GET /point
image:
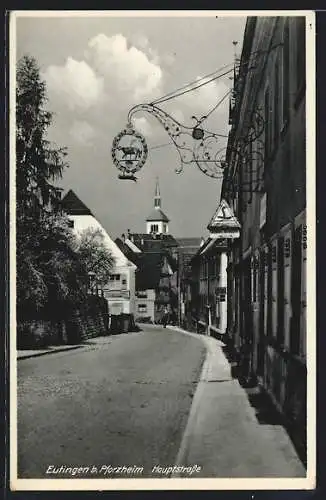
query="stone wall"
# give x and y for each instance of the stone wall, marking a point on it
(70, 325)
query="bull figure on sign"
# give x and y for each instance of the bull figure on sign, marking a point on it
(130, 152)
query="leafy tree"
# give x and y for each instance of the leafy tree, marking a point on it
(95, 256)
(48, 267)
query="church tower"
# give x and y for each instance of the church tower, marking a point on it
(157, 222)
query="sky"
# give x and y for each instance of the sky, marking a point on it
(96, 68)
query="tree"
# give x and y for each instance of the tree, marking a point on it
(95, 256)
(48, 267)
(38, 163)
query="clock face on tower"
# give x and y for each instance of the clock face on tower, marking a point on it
(129, 150)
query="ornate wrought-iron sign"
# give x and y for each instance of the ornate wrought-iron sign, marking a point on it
(129, 152)
(195, 144)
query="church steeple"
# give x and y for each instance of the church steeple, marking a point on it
(157, 222)
(157, 197)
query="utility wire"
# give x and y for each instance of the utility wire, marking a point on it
(194, 88)
(237, 63)
(191, 83)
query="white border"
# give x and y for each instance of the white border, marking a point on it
(175, 484)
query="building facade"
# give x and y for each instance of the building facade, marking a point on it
(120, 290)
(264, 183)
(153, 253)
(187, 248)
(209, 270)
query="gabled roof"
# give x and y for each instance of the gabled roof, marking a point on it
(149, 242)
(190, 242)
(73, 205)
(150, 269)
(211, 244)
(223, 219)
(157, 215)
(126, 250)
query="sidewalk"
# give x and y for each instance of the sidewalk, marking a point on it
(223, 434)
(32, 353)
(104, 339)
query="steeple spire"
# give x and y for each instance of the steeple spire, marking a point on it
(157, 197)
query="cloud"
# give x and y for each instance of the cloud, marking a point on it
(140, 41)
(75, 82)
(203, 99)
(143, 126)
(82, 133)
(124, 67)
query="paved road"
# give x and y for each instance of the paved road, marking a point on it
(124, 400)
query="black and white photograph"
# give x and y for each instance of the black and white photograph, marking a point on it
(162, 207)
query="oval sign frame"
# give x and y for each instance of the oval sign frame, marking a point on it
(136, 163)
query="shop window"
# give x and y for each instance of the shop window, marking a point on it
(296, 291)
(299, 298)
(282, 248)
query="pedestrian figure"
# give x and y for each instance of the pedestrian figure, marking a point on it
(165, 318)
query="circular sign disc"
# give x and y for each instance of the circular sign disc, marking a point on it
(129, 150)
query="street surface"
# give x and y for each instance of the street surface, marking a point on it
(121, 401)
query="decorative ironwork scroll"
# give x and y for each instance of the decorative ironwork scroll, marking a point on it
(193, 143)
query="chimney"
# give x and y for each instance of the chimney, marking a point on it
(128, 231)
(123, 237)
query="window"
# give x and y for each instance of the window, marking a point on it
(300, 53)
(114, 281)
(142, 295)
(250, 172)
(142, 308)
(154, 228)
(286, 71)
(276, 104)
(280, 294)
(267, 124)
(124, 281)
